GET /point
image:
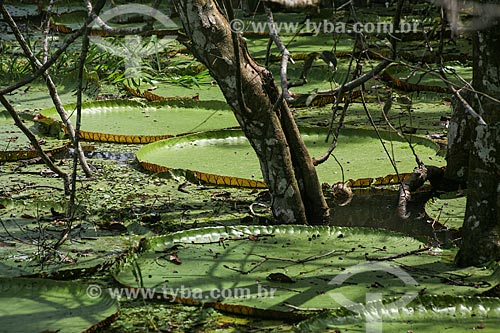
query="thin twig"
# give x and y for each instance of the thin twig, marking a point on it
(397, 256)
(223, 239)
(339, 92)
(355, 83)
(12, 236)
(401, 135)
(370, 118)
(268, 52)
(69, 40)
(35, 63)
(467, 106)
(257, 204)
(396, 22)
(333, 145)
(304, 260)
(250, 270)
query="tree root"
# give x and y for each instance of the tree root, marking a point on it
(420, 174)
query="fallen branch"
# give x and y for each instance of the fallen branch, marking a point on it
(304, 260)
(397, 256)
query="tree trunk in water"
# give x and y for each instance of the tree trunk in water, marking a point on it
(481, 229)
(268, 124)
(460, 130)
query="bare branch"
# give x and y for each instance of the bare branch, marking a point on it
(35, 63)
(455, 92)
(39, 72)
(46, 28)
(324, 158)
(285, 54)
(359, 80)
(467, 107)
(368, 114)
(96, 19)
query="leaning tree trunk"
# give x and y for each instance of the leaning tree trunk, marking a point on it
(481, 229)
(267, 122)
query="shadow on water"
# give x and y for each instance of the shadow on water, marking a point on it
(378, 209)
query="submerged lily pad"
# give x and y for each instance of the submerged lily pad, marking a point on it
(228, 153)
(41, 305)
(274, 271)
(126, 121)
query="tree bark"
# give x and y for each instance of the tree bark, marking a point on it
(265, 119)
(459, 140)
(481, 229)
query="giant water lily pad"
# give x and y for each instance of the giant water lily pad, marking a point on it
(447, 209)
(228, 153)
(423, 314)
(39, 305)
(126, 121)
(275, 270)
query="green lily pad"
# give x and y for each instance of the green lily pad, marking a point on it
(275, 270)
(423, 314)
(126, 121)
(40, 305)
(448, 209)
(228, 153)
